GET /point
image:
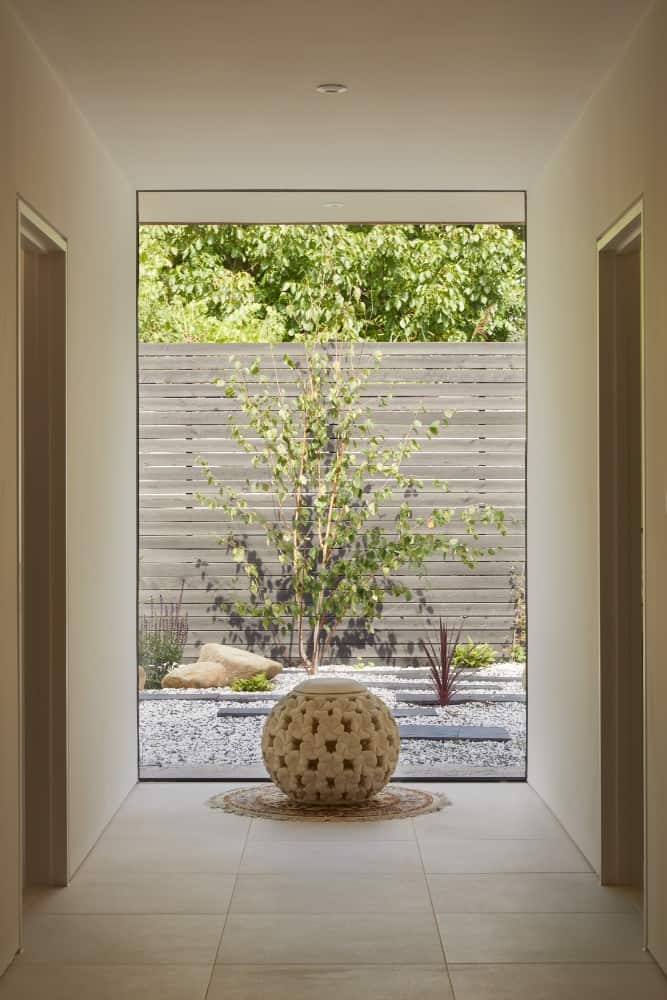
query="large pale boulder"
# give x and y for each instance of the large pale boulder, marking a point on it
(202, 674)
(238, 662)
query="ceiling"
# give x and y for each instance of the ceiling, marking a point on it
(332, 206)
(467, 94)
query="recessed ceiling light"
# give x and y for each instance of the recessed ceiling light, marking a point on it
(331, 88)
(332, 204)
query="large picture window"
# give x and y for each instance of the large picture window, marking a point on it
(332, 480)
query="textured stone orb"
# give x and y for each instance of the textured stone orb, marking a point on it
(330, 740)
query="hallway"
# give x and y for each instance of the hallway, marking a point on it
(487, 900)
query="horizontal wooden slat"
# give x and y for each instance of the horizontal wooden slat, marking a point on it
(456, 498)
(409, 638)
(156, 580)
(206, 424)
(155, 525)
(179, 563)
(388, 349)
(460, 449)
(480, 453)
(461, 602)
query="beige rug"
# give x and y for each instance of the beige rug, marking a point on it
(268, 802)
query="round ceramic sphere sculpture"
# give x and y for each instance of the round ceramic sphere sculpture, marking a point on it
(330, 741)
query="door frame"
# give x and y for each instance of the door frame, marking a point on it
(39, 237)
(629, 226)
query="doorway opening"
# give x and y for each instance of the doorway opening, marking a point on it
(621, 449)
(42, 295)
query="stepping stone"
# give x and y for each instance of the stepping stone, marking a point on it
(468, 681)
(401, 685)
(477, 733)
(424, 685)
(426, 698)
(184, 695)
(239, 712)
(493, 696)
(480, 733)
(250, 696)
(419, 698)
(210, 695)
(411, 713)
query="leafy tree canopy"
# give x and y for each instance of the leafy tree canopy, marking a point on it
(273, 283)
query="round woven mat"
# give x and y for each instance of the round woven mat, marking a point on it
(268, 802)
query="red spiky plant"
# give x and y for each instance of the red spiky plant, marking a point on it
(444, 676)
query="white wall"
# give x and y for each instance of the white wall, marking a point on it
(51, 158)
(616, 152)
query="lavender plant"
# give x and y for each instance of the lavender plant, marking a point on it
(163, 632)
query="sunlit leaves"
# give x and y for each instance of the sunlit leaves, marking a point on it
(319, 282)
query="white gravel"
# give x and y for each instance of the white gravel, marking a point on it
(174, 731)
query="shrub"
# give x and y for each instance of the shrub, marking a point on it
(163, 632)
(154, 677)
(157, 649)
(517, 650)
(260, 682)
(361, 664)
(444, 673)
(517, 653)
(471, 655)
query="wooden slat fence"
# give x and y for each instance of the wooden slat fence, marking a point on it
(481, 454)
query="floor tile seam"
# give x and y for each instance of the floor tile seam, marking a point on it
(304, 914)
(357, 875)
(501, 872)
(215, 958)
(216, 954)
(21, 963)
(435, 916)
(131, 913)
(535, 913)
(525, 963)
(317, 841)
(559, 822)
(204, 964)
(154, 871)
(435, 966)
(127, 881)
(321, 842)
(433, 834)
(331, 963)
(324, 872)
(533, 874)
(342, 913)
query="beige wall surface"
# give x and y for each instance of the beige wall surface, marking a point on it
(50, 157)
(616, 153)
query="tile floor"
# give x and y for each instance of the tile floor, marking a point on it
(487, 900)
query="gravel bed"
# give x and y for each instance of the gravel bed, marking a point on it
(177, 732)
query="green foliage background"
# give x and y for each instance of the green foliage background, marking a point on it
(272, 283)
